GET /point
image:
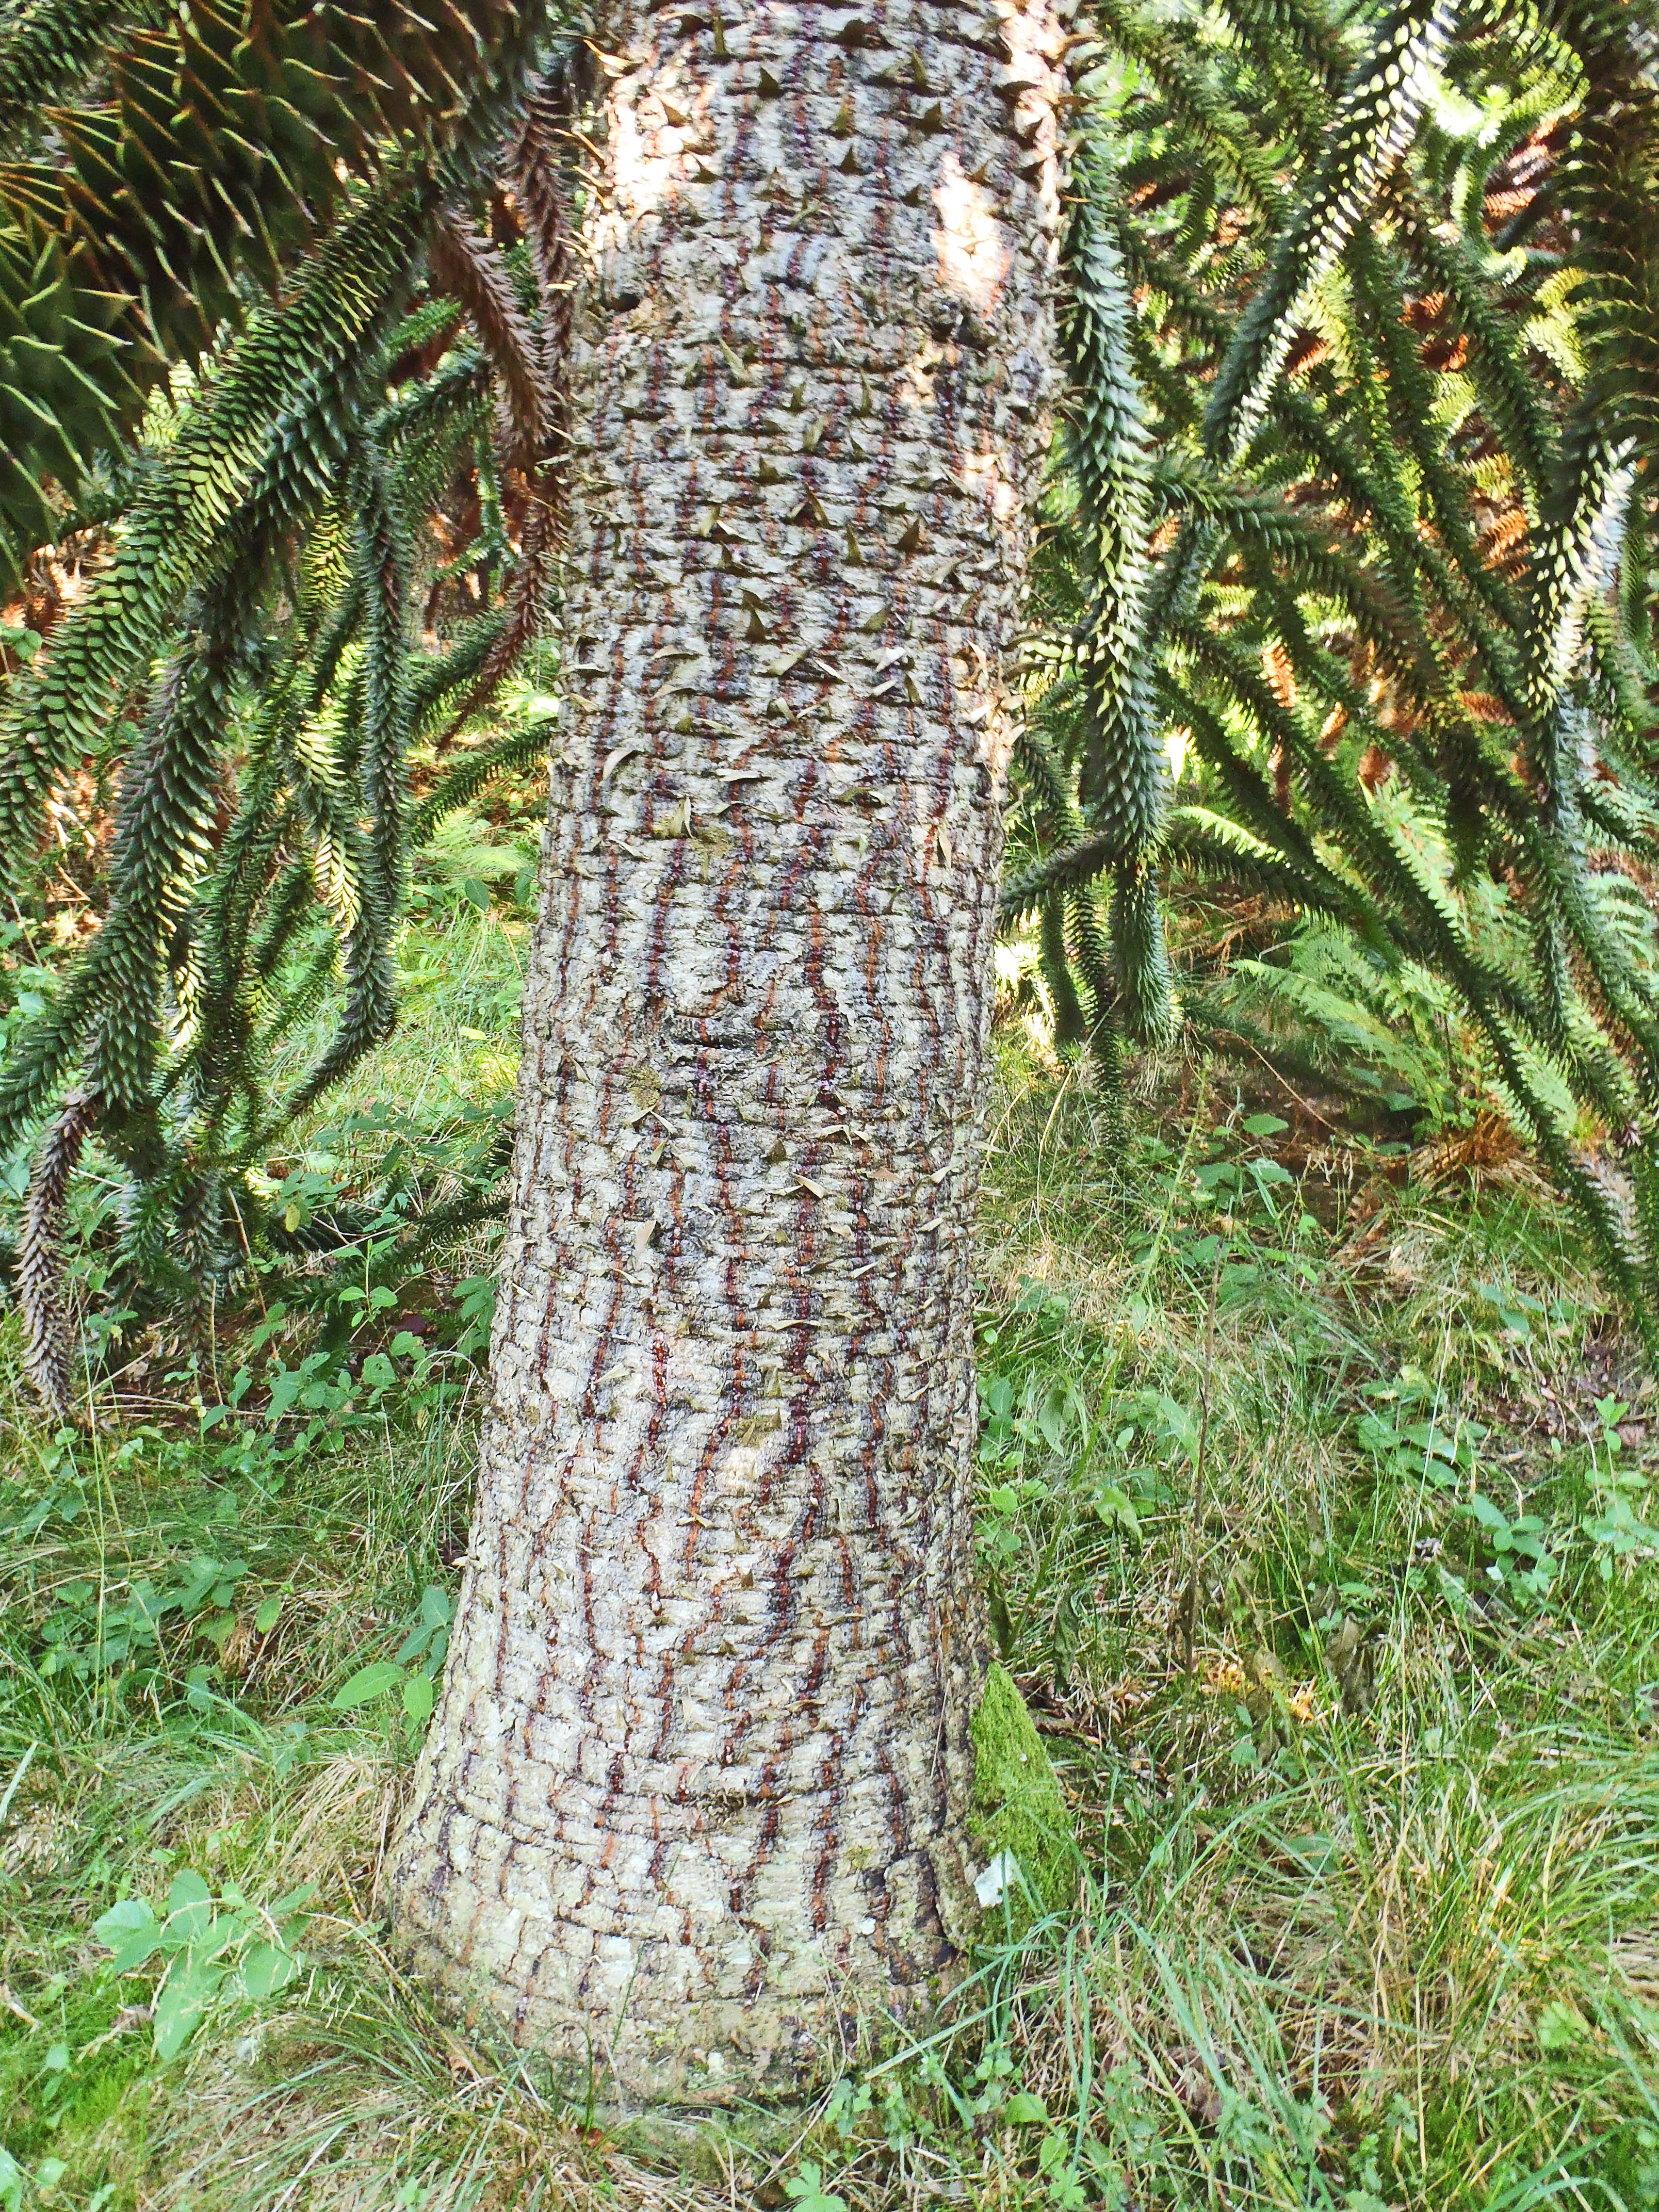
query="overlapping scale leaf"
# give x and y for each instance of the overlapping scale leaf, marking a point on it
(70, 371)
(48, 49)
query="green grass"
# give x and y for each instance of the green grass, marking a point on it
(1312, 1530)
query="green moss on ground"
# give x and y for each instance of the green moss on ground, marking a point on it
(1019, 1804)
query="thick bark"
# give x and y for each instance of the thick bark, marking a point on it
(697, 1786)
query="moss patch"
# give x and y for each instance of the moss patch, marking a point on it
(1018, 1804)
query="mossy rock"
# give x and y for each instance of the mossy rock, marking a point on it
(1019, 1804)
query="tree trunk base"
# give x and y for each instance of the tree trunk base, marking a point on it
(664, 2078)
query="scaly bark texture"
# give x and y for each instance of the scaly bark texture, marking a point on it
(696, 1790)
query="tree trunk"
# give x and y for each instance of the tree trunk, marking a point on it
(696, 1790)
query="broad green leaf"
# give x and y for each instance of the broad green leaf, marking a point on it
(807, 2190)
(371, 1681)
(998, 1393)
(413, 1644)
(1116, 1509)
(1023, 2109)
(185, 1995)
(141, 1944)
(1434, 1441)
(1270, 1172)
(1560, 2025)
(266, 1969)
(146, 1606)
(190, 1907)
(122, 1920)
(1060, 1411)
(1176, 1422)
(228, 1929)
(418, 1694)
(269, 1612)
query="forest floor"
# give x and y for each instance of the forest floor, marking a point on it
(1315, 1528)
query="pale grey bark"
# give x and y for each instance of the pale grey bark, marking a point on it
(696, 1788)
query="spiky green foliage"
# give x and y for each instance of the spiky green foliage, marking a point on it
(242, 665)
(157, 165)
(1102, 674)
(1373, 124)
(1357, 501)
(1351, 515)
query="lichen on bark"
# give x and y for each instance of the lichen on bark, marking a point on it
(697, 1793)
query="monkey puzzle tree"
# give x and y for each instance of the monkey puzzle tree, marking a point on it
(698, 1783)
(702, 1761)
